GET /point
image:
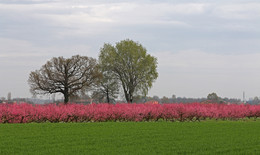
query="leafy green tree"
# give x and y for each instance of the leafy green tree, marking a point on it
(173, 99)
(67, 76)
(255, 100)
(214, 97)
(129, 62)
(165, 99)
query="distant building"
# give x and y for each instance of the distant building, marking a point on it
(152, 102)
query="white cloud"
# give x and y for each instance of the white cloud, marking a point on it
(244, 11)
(194, 73)
(24, 53)
(133, 12)
(33, 31)
(195, 59)
(12, 48)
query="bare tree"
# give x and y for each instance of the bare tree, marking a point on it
(108, 88)
(66, 76)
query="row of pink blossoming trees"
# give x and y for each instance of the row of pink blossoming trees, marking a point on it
(27, 113)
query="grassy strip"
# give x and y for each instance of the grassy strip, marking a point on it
(209, 137)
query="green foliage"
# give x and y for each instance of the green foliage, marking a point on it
(214, 97)
(129, 62)
(209, 137)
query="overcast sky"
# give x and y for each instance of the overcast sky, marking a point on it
(202, 46)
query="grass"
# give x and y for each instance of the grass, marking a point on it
(209, 137)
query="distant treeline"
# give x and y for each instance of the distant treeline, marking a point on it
(138, 99)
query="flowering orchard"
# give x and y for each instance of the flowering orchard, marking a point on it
(26, 113)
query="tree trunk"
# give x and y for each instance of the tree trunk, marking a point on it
(66, 99)
(131, 98)
(127, 96)
(108, 100)
(66, 96)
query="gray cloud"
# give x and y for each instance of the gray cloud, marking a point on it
(192, 40)
(196, 72)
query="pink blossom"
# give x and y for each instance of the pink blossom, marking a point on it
(26, 113)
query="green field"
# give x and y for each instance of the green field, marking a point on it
(209, 137)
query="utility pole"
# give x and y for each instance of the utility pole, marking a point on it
(244, 97)
(9, 96)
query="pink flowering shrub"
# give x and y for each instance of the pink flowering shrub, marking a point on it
(26, 113)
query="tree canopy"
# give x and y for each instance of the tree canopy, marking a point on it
(129, 62)
(67, 76)
(214, 97)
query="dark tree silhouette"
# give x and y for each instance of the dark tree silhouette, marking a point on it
(66, 76)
